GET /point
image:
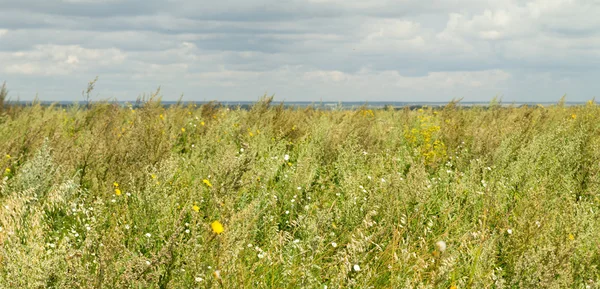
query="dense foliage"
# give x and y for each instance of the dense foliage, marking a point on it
(274, 197)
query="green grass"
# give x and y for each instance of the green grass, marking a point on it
(511, 191)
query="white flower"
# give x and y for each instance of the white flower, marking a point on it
(287, 212)
(441, 246)
(148, 263)
(382, 180)
(242, 150)
(333, 244)
(369, 177)
(356, 267)
(199, 279)
(509, 231)
(296, 241)
(299, 188)
(128, 194)
(148, 235)
(365, 153)
(286, 157)
(249, 245)
(127, 227)
(187, 231)
(260, 255)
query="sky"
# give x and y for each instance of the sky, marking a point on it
(310, 50)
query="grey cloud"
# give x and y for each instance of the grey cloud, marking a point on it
(238, 49)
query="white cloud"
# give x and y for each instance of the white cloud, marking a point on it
(52, 59)
(313, 49)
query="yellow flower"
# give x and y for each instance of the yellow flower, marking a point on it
(571, 237)
(116, 184)
(453, 287)
(117, 192)
(217, 227)
(250, 134)
(153, 176)
(161, 116)
(7, 170)
(182, 129)
(202, 123)
(7, 156)
(573, 116)
(196, 208)
(207, 182)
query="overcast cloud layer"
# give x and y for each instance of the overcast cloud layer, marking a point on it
(330, 50)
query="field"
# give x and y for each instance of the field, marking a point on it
(189, 196)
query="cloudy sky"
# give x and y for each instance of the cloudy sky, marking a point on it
(330, 50)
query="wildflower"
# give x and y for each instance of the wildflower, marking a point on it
(287, 212)
(260, 255)
(196, 208)
(571, 237)
(296, 241)
(187, 231)
(153, 176)
(116, 184)
(117, 192)
(441, 246)
(217, 274)
(573, 116)
(148, 235)
(286, 157)
(7, 170)
(161, 116)
(250, 133)
(127, 227)
(7, 156)
(333, 244)
(356, 267)
(199, 279)
(182, 129)
(509, 231)
(202, 123)
(207, 182)
(148, 263)
(217, 227)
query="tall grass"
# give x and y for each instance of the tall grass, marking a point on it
(124, 197)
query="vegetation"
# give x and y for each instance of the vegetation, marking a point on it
(274, 197)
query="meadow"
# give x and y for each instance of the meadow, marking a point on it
(110, 196)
